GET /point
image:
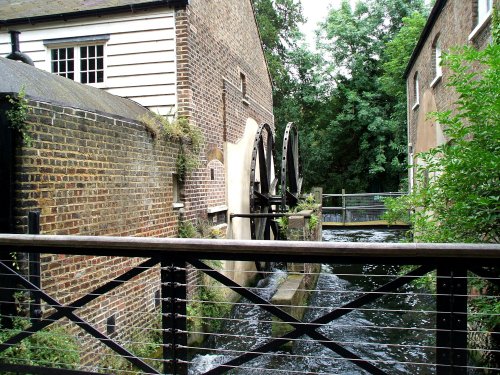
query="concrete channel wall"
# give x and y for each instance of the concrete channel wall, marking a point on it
(293, 294)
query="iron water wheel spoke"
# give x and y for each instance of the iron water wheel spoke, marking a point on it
(291, 179)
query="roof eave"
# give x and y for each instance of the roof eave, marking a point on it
(93, 12)
(433, 16)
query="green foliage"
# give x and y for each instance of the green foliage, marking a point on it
(202, 229)
(356, 129)
(53, 346)
(347, 99)
(456, 196)
(18, 116)
(397, 54)
(178, 129)
(145, 344)
(282, 225)
(206, 229)
(278, 22)
(210, 301)
(187, 229)
(397, 210)
(305, 204)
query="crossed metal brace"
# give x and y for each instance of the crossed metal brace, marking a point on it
(68, 312)
(306, 328)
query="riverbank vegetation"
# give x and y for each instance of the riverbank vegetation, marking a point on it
(456, 194)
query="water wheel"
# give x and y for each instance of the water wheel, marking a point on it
(265, 203)
(263, 183)
(291, 177)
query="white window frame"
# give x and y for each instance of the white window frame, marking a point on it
(484, 13)
(484, 8)
(76, 44)
(437, 54)
(416, 92)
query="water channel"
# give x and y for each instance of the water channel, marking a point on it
(374, 332)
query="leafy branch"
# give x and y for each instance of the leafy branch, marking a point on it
(18, 115)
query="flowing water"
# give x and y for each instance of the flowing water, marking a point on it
(397, 351)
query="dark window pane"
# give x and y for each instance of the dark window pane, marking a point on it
(83, 52)
(83, 65)
(70, 53)
(54, 54)
(100, 51)
(83, 77)
(92, 64)
(91, 77)
(63, 53)
(62, 66)
(54, 67)
(71, 76)
(100, 63)
(100, 76)
(91, 51)
(71, 65)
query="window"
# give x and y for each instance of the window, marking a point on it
(416, 93)
(243, 79)
(63, 62)
(176, 191)
(84, 64)
(80, 59)
(92, 64)
(483, 9)
(436, 63)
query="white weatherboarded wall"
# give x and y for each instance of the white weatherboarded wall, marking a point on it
(139, 55)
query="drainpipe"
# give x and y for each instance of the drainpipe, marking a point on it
(16, 53)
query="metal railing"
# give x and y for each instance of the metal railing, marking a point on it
(355, 209)
(121, 306)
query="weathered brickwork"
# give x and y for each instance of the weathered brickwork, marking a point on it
(218, 46)
(91, 174)
(95, 175)
(452, 28)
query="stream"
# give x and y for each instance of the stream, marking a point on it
(365, 331)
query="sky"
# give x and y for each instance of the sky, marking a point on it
(315, 11)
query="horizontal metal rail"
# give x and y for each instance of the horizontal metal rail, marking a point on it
(379, 207)
(405, 253)
(385, 194)
(271, 215)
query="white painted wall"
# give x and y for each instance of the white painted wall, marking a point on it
(238, 158)
(139, 56)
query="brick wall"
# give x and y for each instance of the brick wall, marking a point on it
(453, 27)
(94, 175)
(91, 174)
(217, 43)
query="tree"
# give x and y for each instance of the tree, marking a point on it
(365, 143)
(294, 69)
(351, 127)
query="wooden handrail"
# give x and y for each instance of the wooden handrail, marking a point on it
(246, 249)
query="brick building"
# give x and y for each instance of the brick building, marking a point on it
(452, 23)
(202, 60)
(93, 166)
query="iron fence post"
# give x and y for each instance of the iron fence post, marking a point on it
(174, 323)
(451, 322)
(344, 208)
(34, 266)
